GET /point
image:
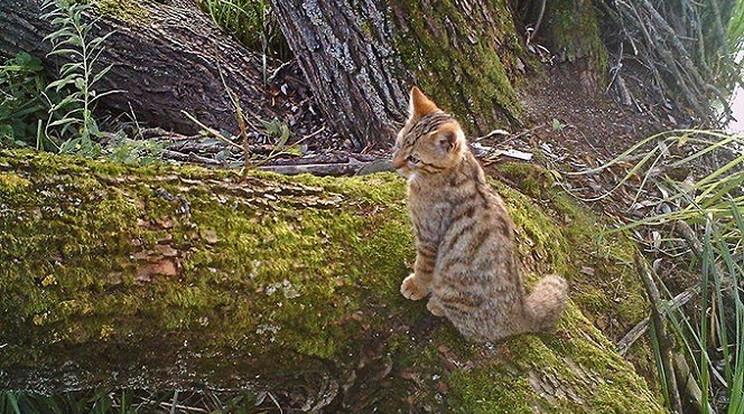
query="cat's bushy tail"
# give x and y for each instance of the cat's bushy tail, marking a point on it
(545, 303)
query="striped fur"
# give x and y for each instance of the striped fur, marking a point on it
(465, 260)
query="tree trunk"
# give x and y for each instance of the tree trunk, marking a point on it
(188, 278)
(573, 35)
(166, 56)
(361, 58)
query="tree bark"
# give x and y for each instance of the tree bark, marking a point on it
(572, 33)
(361, 58)
(166, 56)
(189, 278)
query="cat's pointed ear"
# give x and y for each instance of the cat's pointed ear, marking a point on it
(448, 137)
(420, 105)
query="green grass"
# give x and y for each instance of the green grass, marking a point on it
(251, 22)
(711, 334)
(23, 81)
(735, 29)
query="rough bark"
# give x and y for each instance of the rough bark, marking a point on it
(361, 58)
(572, 33)
(189, 278)
(166, 56)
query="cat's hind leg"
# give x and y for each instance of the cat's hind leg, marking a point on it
(434, 306)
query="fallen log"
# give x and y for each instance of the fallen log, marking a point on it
(187, 278)
(166, 57)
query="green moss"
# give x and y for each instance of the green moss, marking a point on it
(128, 10)
(288, 276)
(464, 62)
(10, 183)
(487, 390)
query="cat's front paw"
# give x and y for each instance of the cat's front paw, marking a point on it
(412, 289)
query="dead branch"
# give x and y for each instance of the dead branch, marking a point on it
(665, 345)
(676, 50)
(688, 234)
(352, 167)
(686, 381)
(640, 329)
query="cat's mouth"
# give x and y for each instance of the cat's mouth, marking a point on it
(404, 172)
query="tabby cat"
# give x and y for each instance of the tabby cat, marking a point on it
(466, 261)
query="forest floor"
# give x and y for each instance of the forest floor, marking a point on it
(587, 123)
(582, 128)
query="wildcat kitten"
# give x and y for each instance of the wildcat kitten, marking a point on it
(465, 255)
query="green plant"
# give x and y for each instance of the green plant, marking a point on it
(710, 336)
(557, 125)
(251, 22)
(735, 36)
(121, 148)
(275, 130)
(22, 83)
(713, 340)
(94, 401)
(75, 128)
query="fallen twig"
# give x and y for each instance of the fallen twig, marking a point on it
(190, 157)
(212, 132)
(353, 167)
(640, 329)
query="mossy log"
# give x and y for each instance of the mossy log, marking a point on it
(187, 278)
(360, 59)
(167, 57)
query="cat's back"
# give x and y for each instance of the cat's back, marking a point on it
(478, 241)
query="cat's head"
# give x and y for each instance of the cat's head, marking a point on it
(430, 142)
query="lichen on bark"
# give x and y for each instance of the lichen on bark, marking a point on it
(264, 282)
(465, 56)
(130, 11)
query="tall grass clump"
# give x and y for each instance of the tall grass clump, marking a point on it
(252, 24)
(23, 81)
(708, 198)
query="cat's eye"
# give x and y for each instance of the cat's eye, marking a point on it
(414, 159)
